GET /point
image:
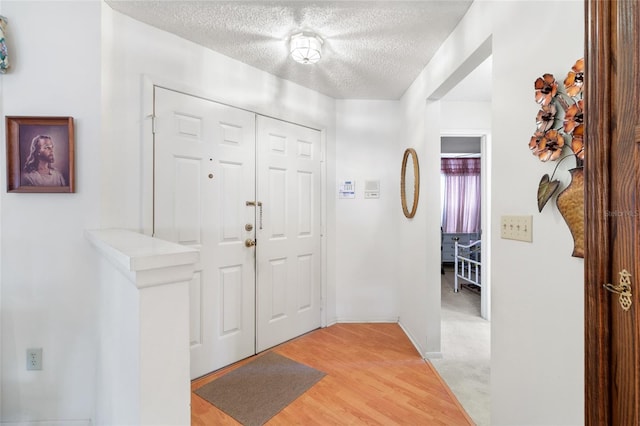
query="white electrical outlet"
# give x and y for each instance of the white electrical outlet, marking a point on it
(516, 228)
(34, 359)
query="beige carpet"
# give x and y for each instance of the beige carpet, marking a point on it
(466, 349)
(260, 389)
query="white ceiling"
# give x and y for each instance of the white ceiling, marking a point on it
(372, 49)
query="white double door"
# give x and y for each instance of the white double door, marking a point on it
(223, 179)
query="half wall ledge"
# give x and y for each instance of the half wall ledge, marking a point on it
(143, 359)
(145, 260)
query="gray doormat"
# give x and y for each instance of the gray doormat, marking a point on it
(260, 389)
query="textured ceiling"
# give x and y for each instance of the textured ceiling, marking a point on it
(372, 49)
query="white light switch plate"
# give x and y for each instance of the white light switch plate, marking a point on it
(516, 228)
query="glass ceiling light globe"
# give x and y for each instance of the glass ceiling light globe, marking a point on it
(306, 48)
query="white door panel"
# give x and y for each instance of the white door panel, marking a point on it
(243, 299)
(288, 251)
(204, 172)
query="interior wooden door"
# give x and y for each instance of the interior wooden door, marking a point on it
(612, 333)
(289, 242)
(204, 174)
(222, 179)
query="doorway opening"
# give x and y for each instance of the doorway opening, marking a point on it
(461, 218)
(465, 239)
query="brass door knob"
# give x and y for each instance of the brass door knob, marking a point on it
(249, 242)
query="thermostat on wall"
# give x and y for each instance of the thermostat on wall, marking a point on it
(347, 189)
(371, 189)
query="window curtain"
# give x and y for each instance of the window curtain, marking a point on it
(460, 195)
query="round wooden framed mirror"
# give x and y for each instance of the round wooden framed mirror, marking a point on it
(410, 183)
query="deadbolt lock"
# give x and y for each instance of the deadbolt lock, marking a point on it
(249, 242)
(248, 227)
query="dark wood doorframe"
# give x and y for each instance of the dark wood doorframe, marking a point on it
(612, 390)
(597, 267)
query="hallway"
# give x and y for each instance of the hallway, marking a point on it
(466, 349)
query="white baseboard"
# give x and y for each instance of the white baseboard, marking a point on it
(425, 355)
(367, 320)
(415, 343)
(49, 423)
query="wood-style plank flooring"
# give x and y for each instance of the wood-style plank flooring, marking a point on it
(374, 377)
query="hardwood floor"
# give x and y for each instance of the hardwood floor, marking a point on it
(374, 376)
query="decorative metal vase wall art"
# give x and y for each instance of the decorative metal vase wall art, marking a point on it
(559, 135)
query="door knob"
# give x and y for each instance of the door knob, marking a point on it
(623, 289)
(249, 242)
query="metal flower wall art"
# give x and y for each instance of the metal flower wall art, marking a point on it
(559, 135)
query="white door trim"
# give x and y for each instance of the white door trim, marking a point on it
(485, 213)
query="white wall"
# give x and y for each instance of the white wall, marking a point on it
(366, 240)
(48, 293)
(419, 252)
(457, 117)
(117, 371)
(537, 321)
(144, 313)
(537, 324)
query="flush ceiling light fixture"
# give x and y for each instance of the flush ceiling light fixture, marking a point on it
(306, 48)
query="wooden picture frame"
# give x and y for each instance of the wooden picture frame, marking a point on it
(40, 154)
